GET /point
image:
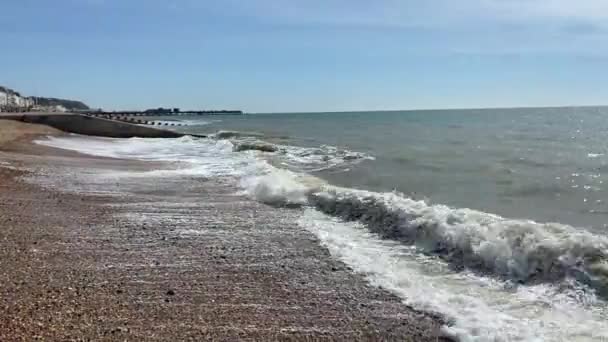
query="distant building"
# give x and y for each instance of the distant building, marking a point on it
(3, 100)
(11, 101)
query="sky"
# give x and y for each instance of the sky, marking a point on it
(307, 55)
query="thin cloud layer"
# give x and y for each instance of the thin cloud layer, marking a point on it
(424, 13)
(470, 26)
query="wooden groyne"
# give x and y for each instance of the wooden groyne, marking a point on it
(95, 126)
(136, 120)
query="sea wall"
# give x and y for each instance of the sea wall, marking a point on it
(86, 125)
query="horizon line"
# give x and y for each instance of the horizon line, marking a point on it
(430, 109)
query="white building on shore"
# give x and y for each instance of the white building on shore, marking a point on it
(12, 101)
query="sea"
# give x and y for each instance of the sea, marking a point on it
(496, 219)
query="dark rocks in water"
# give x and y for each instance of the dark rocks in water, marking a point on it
(235, 134)
(255, 147)
(170, 293)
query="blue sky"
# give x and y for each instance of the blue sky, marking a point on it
(308, 55)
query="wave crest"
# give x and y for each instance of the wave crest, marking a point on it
(280, 187)
(519, 250)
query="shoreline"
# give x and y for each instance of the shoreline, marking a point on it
(210, 265)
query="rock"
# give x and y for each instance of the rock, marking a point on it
(170, 293)
(255, 146)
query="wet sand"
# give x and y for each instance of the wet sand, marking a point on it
(169, 261)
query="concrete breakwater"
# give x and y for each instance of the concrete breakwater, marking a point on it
(137, 121)
(95, 126)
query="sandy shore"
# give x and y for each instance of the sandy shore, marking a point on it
(169, 261)
(14, 131)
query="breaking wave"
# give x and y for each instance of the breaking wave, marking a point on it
(517, 250)
(280, 187)
(522, 251)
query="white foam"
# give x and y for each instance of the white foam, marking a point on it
(187, 156)
(279, 187)
(481, 308)
(312, 159)
(307, 159)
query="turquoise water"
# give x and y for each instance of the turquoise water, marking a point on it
(548, 164)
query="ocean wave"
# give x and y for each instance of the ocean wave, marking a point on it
(521, 251)
(280, 187)
(518, 250)
(475, 308)
(324, 157)
(306, 159)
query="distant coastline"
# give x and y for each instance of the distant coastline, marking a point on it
(14, 102)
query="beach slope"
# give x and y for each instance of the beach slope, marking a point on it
(212, 265)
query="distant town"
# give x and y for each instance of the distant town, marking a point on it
(13, 102)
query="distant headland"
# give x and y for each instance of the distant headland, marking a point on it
(13, 102)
